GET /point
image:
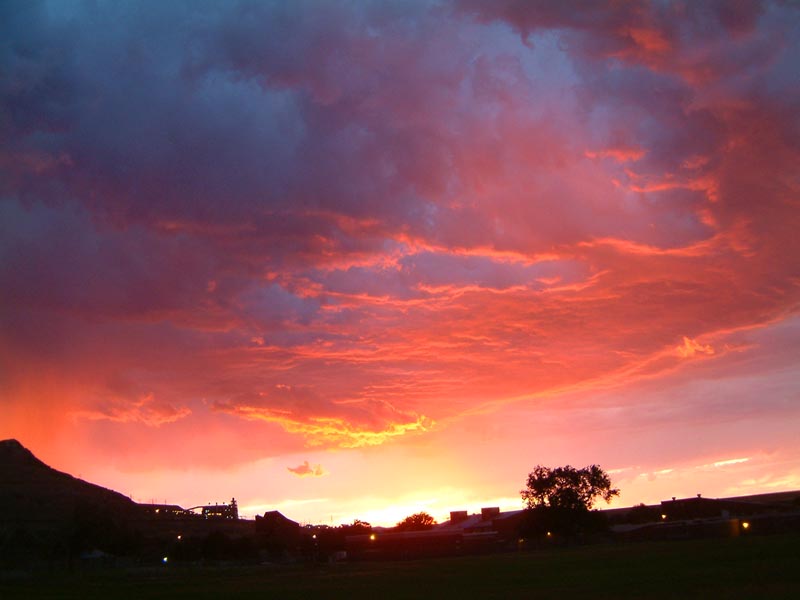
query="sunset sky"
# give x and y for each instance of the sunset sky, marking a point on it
(360, 259)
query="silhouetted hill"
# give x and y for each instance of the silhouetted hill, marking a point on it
(46, 512)
(32, 491)
(49, 515)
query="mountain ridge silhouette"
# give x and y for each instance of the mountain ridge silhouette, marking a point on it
(32, 492)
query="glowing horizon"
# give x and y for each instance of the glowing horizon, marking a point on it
(370, 259)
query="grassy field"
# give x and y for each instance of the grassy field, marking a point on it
(745, 567)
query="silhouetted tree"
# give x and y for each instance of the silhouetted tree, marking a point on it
(416, 522)
(567, 487)
(565, 524)
(559, 500)
(358, 527)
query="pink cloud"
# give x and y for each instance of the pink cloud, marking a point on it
(307, 470)
(145, 410)
(361, 225)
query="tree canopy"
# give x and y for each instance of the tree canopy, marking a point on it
(416, 522)
(358, 527)
(567, 487)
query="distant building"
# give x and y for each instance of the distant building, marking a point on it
(679, 518)
(488, 531)
(274, 524)
(228, 512)
(281, 538)
(696, 517)
(163, 511)
(704, 508)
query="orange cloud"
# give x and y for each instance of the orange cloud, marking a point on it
(691, 348)
(307, 470)
(337, 432)
(147, 410)
(356, 426)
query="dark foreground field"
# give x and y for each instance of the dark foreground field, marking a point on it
(745, 567)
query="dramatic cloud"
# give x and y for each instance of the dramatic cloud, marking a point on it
(346, 423)
(362, 225)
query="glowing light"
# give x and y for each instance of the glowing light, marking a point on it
(663, 517)
(165, 560)
(372, 537)
(745, 525)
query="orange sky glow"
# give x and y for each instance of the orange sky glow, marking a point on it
(360, 260)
